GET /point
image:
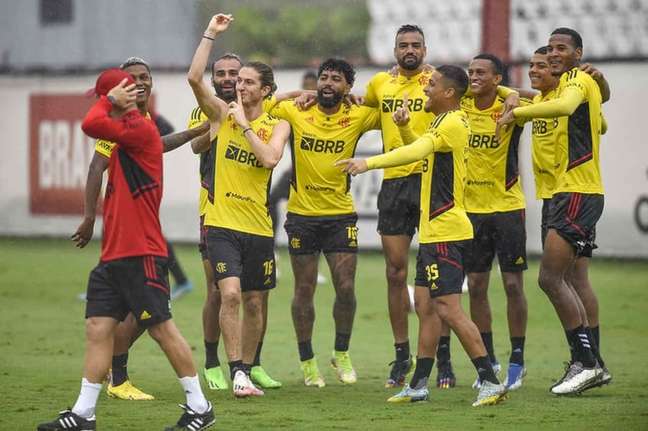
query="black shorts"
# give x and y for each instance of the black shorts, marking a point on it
(501, 233)
(328, 234)
(133, 284)
(439, 267)
(574, 217)
(399, 205)
(244, 255)
(544, 220)
(202, 244)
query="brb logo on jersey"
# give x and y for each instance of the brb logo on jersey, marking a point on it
(321, 145)
(483, 141)
(240, 155)
(413, 105)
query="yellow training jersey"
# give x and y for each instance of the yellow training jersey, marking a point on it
(206, 163)
(577, 153)
(545, 135)
(196, 118)
(318, 141)
(386, 93)
(442, 149)
(493, 178)
(241, 183)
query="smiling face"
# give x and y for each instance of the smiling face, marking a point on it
(436, 92)
(332, 86)
(540, 73)
(562, 53)
(143, 82)
(410, 50)
(482, 76)
(224, 77)
(249, 85)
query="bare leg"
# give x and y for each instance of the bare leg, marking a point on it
(100, 333)
(429, 323)
(449, 309)
(175, 348)
(303, 310)
(252, 324)
(343, 268)
(480, 310)
(211, 308)
(230, 290)
(579, 279)
(395, 249)
(516, 303)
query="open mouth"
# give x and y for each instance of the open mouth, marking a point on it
(328, 92)
(141, 91)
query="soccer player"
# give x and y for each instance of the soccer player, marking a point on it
(321, 216)
(444, 229)
(225, 71)
(398, 200)
(239, 234)
(577, 201)
(132, 273)
(127, 331)
(496, 207)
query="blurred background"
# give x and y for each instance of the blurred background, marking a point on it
(51, 50)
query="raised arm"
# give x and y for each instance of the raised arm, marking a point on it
(401, 118)
(175, 140)
(131, 130)
(211, 105)
(597, 75)
(84, 232)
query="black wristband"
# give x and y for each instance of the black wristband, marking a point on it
(246, 129)
(111, 99)
(207, 37)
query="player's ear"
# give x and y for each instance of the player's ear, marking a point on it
(265, 90)
(498, 79)
(579, 53)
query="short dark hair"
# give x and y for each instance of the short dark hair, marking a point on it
(457, 78)
(410, 28)
(498, 66)
(266, 75)
(226, 56)
(338, 65)
(309, 74)
(576, 37)
(134, 61)
(542, 50)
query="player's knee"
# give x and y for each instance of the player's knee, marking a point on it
(513, 289)
(230, 299)
(253, 305)
(97, 329)
(396, 275)
(548, 281)
(345, 293)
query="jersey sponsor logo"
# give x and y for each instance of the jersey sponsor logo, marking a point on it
(232, 195)
(391, 105)
(483, 141)
(540, 127)
(321, 145)
(485, 183)
(221, 267)
(325, 189)
(242, 156)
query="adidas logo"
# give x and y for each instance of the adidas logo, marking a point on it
(145, 315)
(434, 286)
(519, 261)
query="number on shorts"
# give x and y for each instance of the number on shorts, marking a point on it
(432, 272)
(267, 267)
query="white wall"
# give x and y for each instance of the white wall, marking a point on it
(624, 159)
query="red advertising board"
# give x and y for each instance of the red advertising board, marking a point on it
(59, 153)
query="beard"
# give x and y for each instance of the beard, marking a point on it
(228, 95)
(410, 62)
(328, 101)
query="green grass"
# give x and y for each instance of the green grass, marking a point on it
(42, 342)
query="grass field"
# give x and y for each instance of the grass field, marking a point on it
(41, 355)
